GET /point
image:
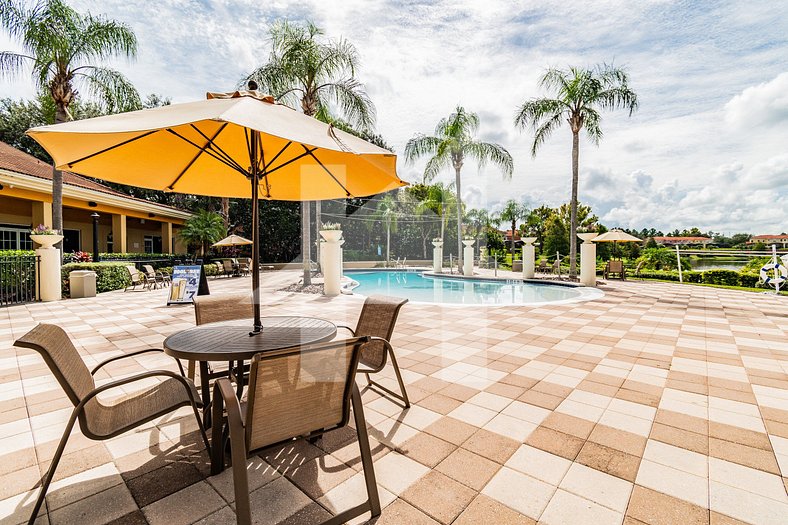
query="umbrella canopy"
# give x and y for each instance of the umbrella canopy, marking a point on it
(204, 148)
(239, 144)
(616, 236)
(232, 240)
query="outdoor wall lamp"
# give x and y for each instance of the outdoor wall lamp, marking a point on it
(92, 204)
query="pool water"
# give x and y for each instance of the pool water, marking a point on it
(424, 288)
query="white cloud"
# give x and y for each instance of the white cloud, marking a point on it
(766, 103)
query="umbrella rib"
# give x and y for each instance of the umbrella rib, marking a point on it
(213, 146)
(301, 156)
(262, 160)
(326, 170)
(191, 163)
(234, 165)
(71, 164)
(265, 167)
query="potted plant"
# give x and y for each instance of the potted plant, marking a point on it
(45, 236)
(331, 231)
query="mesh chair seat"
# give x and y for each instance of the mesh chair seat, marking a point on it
(105, 418)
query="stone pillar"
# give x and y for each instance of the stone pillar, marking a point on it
(42, 213)
(529, 257)
(588, 259)
(119, 244)
(437, 256)
(48, 277)
(467, 256)
(331, 254)
(166, 237)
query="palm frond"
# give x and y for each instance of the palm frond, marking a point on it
(13, 18)
(434, 166)
(537, 110)
(420, 146)
(110, 88)
(591, 123)
(352, 100)
(102, 38)
(544, 131)
(12, 64)
(484, 152)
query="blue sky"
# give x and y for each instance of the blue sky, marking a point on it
(708, 147)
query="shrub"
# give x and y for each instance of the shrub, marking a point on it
(109, 276)
(16, 253)
(750, 279)
(661, 259)
(724, 277)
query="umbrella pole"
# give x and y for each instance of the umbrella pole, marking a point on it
(258, 325)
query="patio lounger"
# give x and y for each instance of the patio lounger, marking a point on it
(377, 319)
(139, 278)
(158, 277)
(293, 393)
(98, 419)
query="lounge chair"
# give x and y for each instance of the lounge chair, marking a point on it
(229, 267)
(377, 319)
(162, 278)
(297, 392)
(615, 267)
(98, 419)
(139, 278)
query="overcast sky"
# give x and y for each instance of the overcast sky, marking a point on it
(708, 147)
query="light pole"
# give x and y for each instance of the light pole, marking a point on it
(95, 217)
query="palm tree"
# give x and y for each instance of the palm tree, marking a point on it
(480, 221)
(387, 212)
(64, 47)
(203, 229)
(512, 212)
(440, 199)
(315, 73)
(452, 143)
(579, 94)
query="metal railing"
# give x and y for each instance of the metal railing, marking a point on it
(18, 283)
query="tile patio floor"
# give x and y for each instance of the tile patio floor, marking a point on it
(658, 403)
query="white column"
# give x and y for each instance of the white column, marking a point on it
(49, 280)
(437, 256)
(588, 259)
(529, 256)
(467, 255)
(332, 265)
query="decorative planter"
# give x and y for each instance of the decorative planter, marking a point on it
(588, 259)
(529, 258)
(468, 242)
(588, 236)
(331, 235)
(46, 241)
(437, 256)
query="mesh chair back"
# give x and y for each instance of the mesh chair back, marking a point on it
(62, 357)
(215, 308)
(133, 273)
(377, 319)
(149, 270)
(615, 266)
(228, 265)
(300, 390)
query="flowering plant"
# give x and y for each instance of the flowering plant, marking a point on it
(81, 257)
(437, 239)
(43, 230)
(331, 226)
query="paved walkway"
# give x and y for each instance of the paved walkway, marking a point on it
(658, 403)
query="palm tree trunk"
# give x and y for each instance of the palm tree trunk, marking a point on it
(61, 115)
(459, 218)
(306, 248)
(514, 224)
(318, 227)
(573, 206)
(388, 242)
(226, 212)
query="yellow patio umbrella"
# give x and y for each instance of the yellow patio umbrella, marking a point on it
(239, 144)
(232, 240)
(615, 236)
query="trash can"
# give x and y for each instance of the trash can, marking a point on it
(517, 266)
(82, 283)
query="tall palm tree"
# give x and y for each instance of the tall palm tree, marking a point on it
(481, 220)
(387, 212)
(318, 74)
(440, 199)
(579, 95)
(512, 212)
(452, 143)
(203, 229)
(63, 48)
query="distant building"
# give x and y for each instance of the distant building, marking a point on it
(507, 237)
(770, 239)
(126, 224)
(683, 241)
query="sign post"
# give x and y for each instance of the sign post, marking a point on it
(185, 283)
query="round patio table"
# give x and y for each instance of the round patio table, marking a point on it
(230, 341)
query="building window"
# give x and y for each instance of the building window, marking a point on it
(14, 237)
(148, 244)
(110, 243)
(152, 244)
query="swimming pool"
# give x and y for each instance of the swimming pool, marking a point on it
(428, 289)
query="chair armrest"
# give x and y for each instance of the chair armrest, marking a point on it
(353, 332)
(384, 341)
(144, 375)
(224, 398)
(132, 354)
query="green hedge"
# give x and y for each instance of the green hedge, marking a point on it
(720, 277)
(109, 275)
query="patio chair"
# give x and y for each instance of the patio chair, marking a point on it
(219, 269)
(99, 419)
(229, 267)
(543, 267)
(377, 319)
(216, 308)
(139, 278)
(615, 267)
(293, 393)
(555, 269)
(245, 266)
(159, 277)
